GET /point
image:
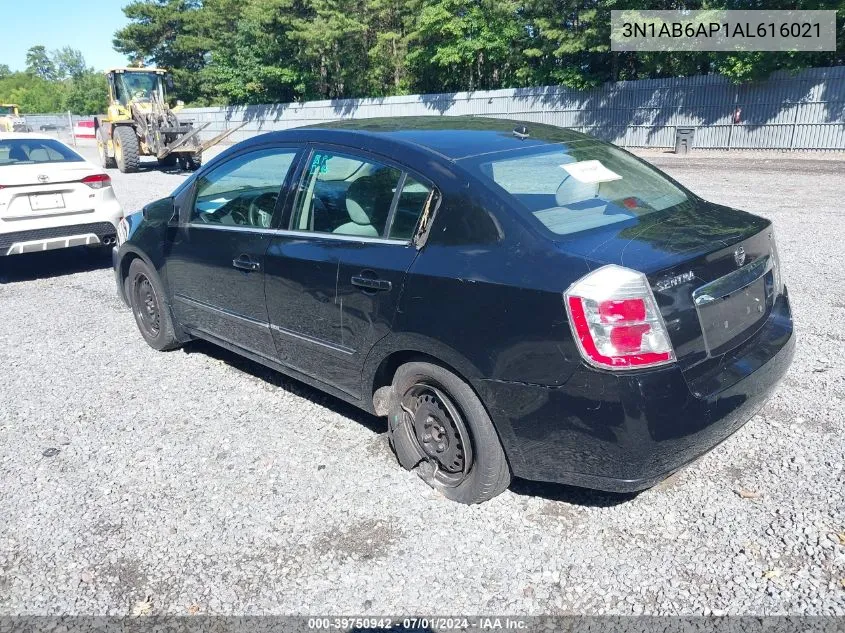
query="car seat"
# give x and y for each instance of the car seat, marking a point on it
(17, 154)
(367, 204)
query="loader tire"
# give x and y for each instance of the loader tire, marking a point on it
(126, 150)
(106, 161)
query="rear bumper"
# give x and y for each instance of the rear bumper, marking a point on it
(624, 432)
(45, 239)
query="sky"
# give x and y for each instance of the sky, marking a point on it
(87, 25)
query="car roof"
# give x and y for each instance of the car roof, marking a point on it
(452, 137)
(11, 136)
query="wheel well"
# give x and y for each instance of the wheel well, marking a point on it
(387, 368)
(384, 374)
(125, 263)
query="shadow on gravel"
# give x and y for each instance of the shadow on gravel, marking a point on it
(152, 165)
(570, 494)
(549, 491)
(277, 379)
(65, 261)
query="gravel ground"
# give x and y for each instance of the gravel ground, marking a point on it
(198, 482)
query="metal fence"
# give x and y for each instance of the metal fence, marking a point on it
(805, 111)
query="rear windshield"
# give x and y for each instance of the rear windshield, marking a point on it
(579, 186)
(23, 151)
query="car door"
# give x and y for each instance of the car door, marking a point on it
(334, 276)
(216, 264)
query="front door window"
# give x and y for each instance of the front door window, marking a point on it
(243, 191)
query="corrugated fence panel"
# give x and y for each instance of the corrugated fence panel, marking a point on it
(801, 111)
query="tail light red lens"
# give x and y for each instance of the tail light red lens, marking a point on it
(615, 320)
(97, 181)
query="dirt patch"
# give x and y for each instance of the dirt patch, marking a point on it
(363, 540)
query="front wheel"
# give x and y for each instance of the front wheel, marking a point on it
(126, 149)
(146, 297)
(439, 427)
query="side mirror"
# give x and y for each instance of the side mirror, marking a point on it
(174, 218)
(162, 211)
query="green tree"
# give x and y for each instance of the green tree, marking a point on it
(32, 93)
(465, 45)
(87, 93)
(166, 33)
(5, 71)
(332, 40)
(256, 61)
(69, 62)
(390, 26)
(38, 63)
(265, 51)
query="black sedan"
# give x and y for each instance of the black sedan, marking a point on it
(518, 299)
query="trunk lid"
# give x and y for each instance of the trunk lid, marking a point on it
(712, 269)
(30, 191)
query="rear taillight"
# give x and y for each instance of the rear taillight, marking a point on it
(615, 320)
(97, 181)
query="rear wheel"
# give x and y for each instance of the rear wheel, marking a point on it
(439, 427)
(146, 297)
(190, 162)
(106, 161)
(168, 161)
(126, 150)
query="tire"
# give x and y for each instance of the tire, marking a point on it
(106, 161)
(152, 316)
(126, 149)
(430, 409)
(194, 161)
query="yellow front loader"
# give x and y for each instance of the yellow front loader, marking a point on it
(11, 119)
(139, 122)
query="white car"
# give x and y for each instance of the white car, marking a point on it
(51, 197)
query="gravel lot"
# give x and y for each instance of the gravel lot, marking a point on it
(198, 482)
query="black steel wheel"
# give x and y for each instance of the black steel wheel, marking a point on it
(438, 426)
(152, 315)
(440, 431)
(147, 309)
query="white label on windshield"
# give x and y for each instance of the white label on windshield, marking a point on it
(590, 172)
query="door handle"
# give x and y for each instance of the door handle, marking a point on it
(245, 262)
(371, 284)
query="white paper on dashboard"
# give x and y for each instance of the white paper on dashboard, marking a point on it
(590, 172)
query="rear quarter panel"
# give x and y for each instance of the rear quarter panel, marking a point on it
(485, 296)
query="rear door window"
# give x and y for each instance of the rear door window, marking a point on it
(413, 200)
(345, 195)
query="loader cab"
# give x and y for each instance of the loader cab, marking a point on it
(137, 85)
